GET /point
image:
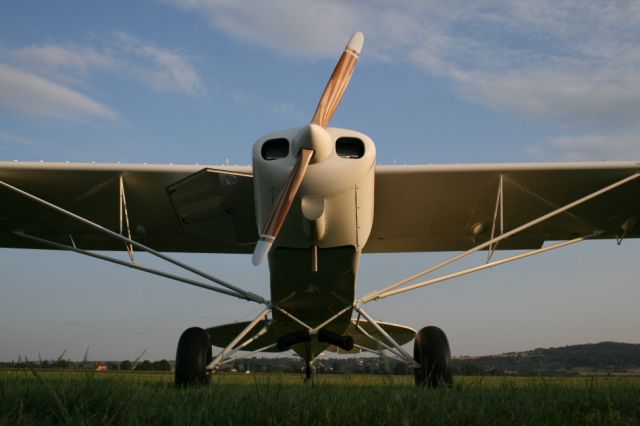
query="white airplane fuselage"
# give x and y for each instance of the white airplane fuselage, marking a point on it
(333, 211)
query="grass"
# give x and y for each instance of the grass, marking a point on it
(63, 397)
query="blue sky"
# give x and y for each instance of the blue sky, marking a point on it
(198, 81)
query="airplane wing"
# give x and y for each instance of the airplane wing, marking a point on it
(438, 207)
(210, 210)
(168, 207)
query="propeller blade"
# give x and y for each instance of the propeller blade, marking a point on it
(281, 207)
(338, 82)
(327, 106)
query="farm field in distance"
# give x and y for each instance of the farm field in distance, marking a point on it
(75, 397)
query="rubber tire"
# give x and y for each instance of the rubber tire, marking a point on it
(431, 351)
(192, 357)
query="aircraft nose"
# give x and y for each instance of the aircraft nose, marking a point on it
(317, 139)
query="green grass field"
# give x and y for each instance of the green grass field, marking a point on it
(64, 397)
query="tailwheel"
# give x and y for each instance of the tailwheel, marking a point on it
(192, 357)
(431, 351)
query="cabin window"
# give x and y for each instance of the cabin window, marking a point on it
(275, 148)
(349, 147)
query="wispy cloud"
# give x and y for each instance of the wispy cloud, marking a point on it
(570, 62)
(300, 28)
(42, 80)
(12, 139)
(573, 60)
(161, 69)
(26, 93)
(283, 109)
(76, 58)
(158, 68)
(590, 147)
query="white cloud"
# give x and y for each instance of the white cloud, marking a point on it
(158, 68)
(596, 147)
(72, 57)
(300, 28)
(25, 93)
(12, 139)
(161, 69)
(575, 61)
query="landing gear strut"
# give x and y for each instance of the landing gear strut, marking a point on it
(307, 372)
(192, 357)
(431, 351)
(307, 363)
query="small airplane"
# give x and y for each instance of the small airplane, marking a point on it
(312, 203)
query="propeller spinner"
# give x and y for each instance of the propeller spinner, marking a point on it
(313, 144)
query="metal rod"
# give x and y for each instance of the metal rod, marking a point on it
(256, 336)
(485, 266)
(134, 266)
(123, 207)
(331, 319)
(237, 339)
(248, 354)
(378, 352)
(374, 295)
(107, 231)
(247, 342)
(314, 257)
(408, 358)
(501, 205)
(120, 207)
(292, 317)
(497, 208)
(378, 341)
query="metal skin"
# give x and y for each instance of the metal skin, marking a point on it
(333, 210)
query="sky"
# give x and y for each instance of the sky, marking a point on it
(198, 81)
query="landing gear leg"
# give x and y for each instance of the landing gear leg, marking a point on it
(307, 372)
(307, 363)
(431, 351)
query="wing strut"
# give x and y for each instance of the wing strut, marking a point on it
(376, 294)
(407, 358)
(228, 289)
(499, 208)
(231, 347)
(234, 290)
(124, 218)
(402, 287)
(486, 266)
(131, 265)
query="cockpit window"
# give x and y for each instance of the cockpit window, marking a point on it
(348, 147)
(275, 148)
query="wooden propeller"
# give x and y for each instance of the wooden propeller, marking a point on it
(327, 106)
(338, 82)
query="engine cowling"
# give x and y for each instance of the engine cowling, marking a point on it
(334, 205)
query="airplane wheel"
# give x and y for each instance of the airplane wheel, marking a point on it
(431, 351)
(192, 357)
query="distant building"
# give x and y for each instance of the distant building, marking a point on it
(102, 367)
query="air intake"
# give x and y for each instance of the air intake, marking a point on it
(275, 148)
(348, 147)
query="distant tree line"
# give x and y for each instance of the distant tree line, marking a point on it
(146, 365)
(599, 358)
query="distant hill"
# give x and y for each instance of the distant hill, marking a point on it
(593, 358)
